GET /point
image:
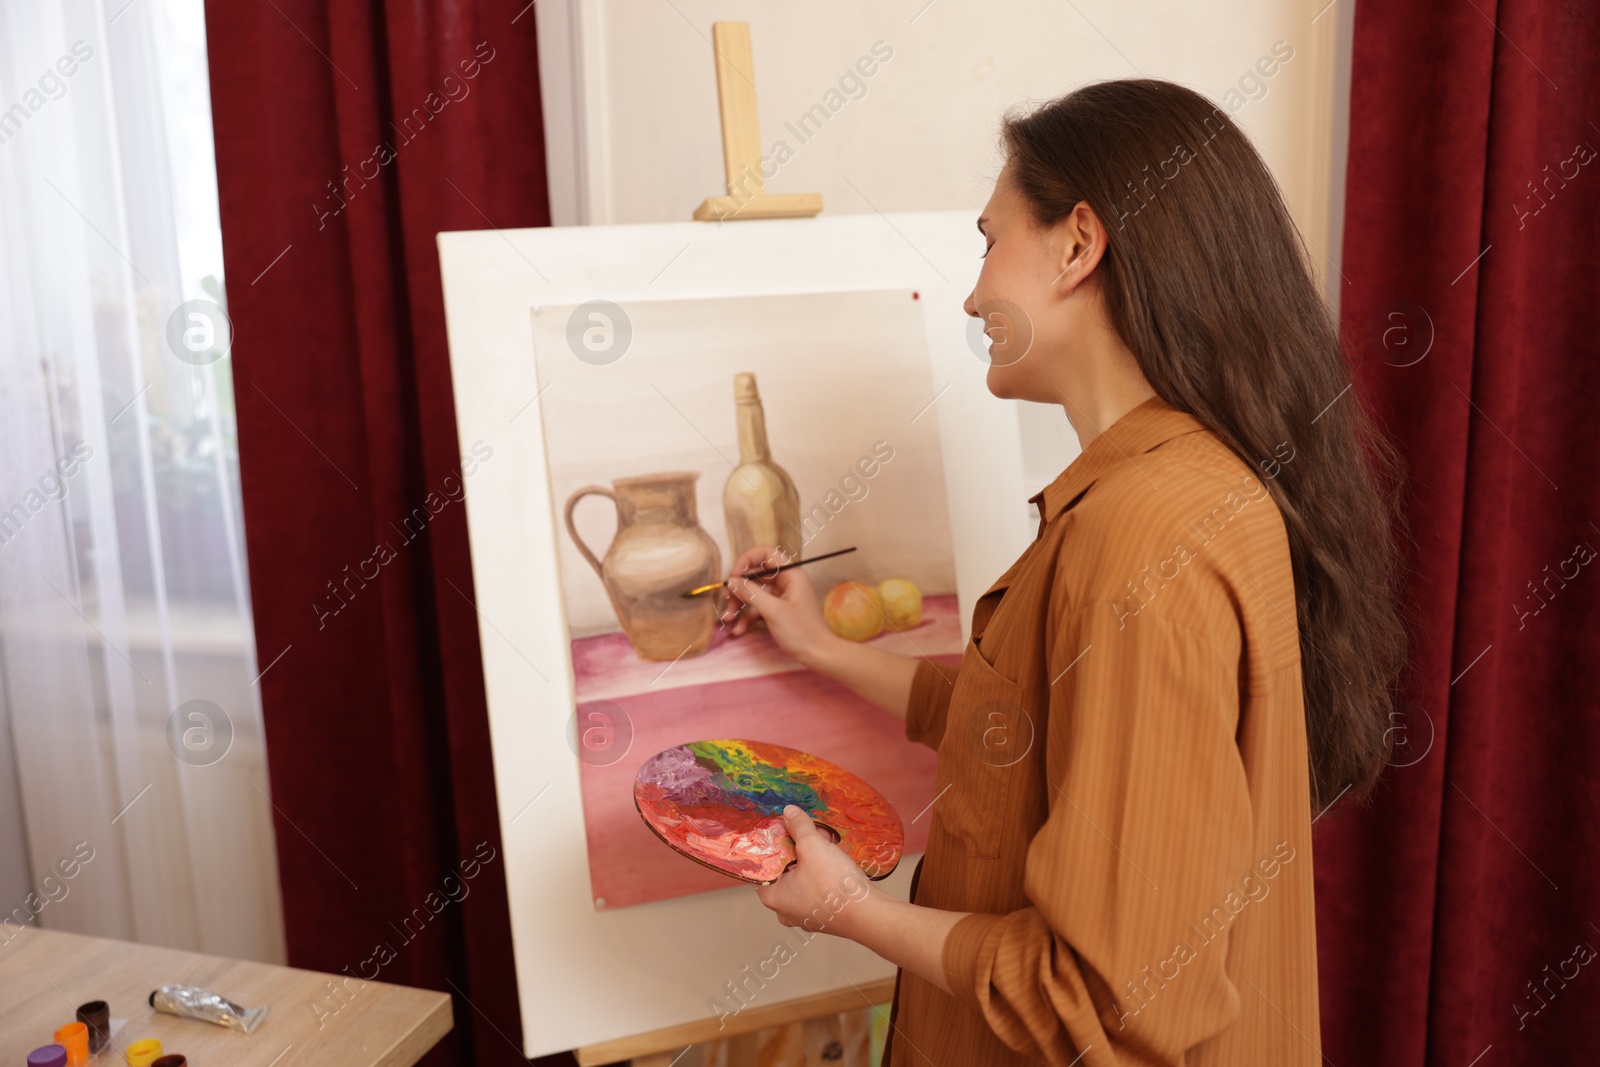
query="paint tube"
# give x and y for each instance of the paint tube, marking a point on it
(192, 1002)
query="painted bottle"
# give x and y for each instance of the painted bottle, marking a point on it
(760, 504)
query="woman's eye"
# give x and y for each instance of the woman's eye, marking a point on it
(986, 252)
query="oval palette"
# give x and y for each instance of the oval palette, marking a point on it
(721, 804)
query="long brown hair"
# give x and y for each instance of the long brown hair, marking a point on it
(1208, 282)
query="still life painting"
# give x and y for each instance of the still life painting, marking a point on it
(681, 432)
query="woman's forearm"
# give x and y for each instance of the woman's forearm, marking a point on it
(882, 677)
(906, 935)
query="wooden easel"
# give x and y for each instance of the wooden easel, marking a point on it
(661, 1047)
(741, 139)
(747, 199)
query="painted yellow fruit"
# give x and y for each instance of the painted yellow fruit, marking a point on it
(854, 611)
(902, 602)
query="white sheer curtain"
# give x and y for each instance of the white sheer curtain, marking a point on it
(130, 716)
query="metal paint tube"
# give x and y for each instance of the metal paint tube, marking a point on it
(192, 1002)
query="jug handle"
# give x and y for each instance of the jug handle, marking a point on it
(572, 502)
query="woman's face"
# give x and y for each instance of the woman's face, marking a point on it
(1031, 295)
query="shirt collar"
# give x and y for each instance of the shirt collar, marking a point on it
(1152, 423)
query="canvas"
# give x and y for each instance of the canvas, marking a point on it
(677, 433)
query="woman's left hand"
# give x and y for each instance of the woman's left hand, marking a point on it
(824, 891)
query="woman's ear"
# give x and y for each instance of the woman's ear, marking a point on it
(1082, 242)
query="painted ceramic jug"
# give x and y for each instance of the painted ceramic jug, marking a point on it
(659, 552)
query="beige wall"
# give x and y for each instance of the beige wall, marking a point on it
(632, 106)
(633, 134)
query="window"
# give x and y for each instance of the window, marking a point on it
(130, 717)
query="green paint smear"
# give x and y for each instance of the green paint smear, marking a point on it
(769, 786)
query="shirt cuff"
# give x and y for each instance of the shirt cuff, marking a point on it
(928, 706)
(963, 948)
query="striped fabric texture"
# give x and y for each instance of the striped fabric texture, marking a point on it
(1123, 793)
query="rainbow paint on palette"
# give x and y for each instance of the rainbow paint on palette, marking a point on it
(721, 804)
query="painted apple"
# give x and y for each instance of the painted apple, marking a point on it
(902, 602)
(854, 611)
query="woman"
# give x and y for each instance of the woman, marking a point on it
(1191, 660)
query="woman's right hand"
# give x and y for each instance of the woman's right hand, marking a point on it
(787, 600)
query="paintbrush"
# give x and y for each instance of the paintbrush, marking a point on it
(769, 572)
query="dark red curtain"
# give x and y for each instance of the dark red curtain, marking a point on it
(1458, 915)
(347, 136)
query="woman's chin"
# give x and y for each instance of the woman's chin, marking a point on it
(1003, 382)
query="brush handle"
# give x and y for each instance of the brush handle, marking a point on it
(770, 571)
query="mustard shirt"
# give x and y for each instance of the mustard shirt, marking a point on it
(1123, 794)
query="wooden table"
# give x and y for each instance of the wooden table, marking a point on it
(45, 975)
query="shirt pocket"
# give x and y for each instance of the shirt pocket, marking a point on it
(987, 735)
